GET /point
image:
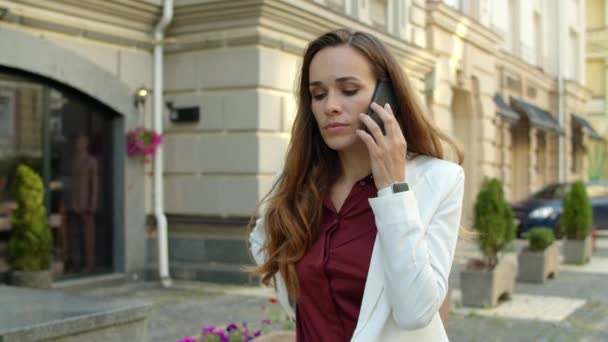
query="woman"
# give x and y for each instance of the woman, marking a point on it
(359, 230)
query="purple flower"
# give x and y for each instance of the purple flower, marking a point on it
(222, 335)
(232, 327)
(209, 330)
(257, 333)
(187, 339)
(266, 322)
(143, 142)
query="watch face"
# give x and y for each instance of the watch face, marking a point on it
(400, 187)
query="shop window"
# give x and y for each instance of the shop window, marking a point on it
(66, 137)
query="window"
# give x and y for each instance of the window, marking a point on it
(574, 57)
(67, 138)
(378, 13)
(457, 4)
(7, 112)
(513, 34)
(538, 40)
(336, 5)
(595, 77)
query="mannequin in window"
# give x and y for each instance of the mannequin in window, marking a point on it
(81, 205)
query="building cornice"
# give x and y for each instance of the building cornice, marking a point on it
(286, 25)
(121, 22)
(597, 34)
(515, 64)
(466, 28)
(577, 89)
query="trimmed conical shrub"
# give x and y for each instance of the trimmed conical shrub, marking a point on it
(493, 221)
(577, 216)
(30, 244)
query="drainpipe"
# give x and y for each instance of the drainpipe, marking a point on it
(561, 152)
(159, 212)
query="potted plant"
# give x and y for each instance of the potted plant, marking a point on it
(143, 143)
(30, 243)
(539, 260)
(484, 281)
(576, 223)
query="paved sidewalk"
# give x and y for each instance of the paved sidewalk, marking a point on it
(572, 307)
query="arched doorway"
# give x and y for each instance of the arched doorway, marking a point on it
(464, 129)
(68, 138)
(521, 159)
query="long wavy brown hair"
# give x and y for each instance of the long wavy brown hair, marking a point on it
(294, 205)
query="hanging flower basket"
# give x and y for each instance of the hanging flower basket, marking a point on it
(143, 143)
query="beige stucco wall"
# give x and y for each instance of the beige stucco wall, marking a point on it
(245, 96)
(461, 101)
(473, 66)
(244, 82)
(239, 65)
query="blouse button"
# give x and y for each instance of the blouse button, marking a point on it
(362, 183)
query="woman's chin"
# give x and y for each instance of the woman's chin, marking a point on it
(341, 143)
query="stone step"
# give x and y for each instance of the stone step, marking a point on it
(42, 315)
(220, 273)
(91, 282)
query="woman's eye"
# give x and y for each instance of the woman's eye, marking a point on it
(318, 96)
(350, 92)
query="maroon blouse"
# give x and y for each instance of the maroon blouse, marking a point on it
(332, 274)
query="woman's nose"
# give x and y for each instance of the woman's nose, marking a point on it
(333, 104)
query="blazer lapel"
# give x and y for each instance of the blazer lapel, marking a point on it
(375, 276)
(373, 288)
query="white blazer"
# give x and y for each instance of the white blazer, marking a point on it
(412, 255)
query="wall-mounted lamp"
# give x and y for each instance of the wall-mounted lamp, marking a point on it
(140, 96)
(183, 115)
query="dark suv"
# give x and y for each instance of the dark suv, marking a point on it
(544, 207)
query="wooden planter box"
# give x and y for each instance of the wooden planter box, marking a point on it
(537, 267)
(577, 252)
(483, 288)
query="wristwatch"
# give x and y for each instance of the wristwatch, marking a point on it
(399, 187)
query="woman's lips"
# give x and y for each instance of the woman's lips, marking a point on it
(336, 127)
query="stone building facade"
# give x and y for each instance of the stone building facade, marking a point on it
(482, 75)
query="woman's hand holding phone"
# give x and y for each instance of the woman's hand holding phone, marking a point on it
(387, 152)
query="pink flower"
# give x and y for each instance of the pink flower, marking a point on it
(187, 339)
(143, 142)
(209, 330)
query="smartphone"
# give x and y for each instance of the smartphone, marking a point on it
(383, 94)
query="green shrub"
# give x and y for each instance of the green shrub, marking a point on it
(493, 220)
(539, 238)
(8, 169)
(577, 215)
(30, 244)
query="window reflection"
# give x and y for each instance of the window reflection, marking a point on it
(66, 138)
